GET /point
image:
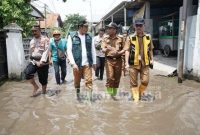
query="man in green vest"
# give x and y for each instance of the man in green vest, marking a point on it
(82, 57)
(139, 57)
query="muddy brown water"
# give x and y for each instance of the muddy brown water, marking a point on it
(175, 111)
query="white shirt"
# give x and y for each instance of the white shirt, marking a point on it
(97, 41)
(84, 51)
(39, 48)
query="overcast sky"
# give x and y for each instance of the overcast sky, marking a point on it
(99, 7)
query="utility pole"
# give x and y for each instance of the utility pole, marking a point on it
(182, 41)
(91, 21)
(45, 14)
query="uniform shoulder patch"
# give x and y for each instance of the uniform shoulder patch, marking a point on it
(133, 38)
(120, 36)
(105, 36)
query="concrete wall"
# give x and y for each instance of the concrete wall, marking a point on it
(192, 43)
(196, 61)
(15, 51)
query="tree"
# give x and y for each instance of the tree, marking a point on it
(71, 22)
(16, 11)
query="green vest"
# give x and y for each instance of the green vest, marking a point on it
(77, 49)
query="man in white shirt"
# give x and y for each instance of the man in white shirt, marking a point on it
(82, 56)
(100, 54)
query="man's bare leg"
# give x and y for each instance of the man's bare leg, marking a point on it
(35, 86)
(44, 89)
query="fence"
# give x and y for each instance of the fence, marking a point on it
(3, 56)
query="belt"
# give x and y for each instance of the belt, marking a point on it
(113, 58)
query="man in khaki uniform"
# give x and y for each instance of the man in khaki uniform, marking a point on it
(112, 46)
(139, 57)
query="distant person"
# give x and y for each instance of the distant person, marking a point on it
(125, 35)
(39, 61)
(57, 56)
(139, 58)
(82, 56)
(100, 60)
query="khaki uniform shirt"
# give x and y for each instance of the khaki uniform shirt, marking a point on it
(116, 43)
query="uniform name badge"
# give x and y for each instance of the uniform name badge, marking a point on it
(139, 57)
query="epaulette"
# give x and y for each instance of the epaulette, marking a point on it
(121, 36)
(133, 37)
(105, 36)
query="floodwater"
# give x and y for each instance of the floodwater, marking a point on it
(175, 111)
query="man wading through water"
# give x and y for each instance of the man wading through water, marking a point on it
(57, 56)
(112, 46)
(139, 58)
(82, 56)
(38, 56)
(100, 55)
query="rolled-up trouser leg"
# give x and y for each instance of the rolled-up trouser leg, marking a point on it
(117, 72)
(109, 73)
(87, 72)
(133, 72)
(144, 77)
(142, 89)
(77, 77)
(77, 80)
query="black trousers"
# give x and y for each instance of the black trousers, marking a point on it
(57, 65)
(42, 72)
(100, 67)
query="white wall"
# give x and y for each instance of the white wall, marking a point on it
(15, 55)
(192, 44)
(196, 59)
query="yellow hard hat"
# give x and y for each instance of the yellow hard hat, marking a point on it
(56, 32)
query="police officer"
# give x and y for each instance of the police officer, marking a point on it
(112, 46)
(39, 61)
(139, 57)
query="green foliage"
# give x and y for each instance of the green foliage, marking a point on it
(71, 22)
(16, 11)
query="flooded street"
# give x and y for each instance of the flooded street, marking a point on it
(175, 111)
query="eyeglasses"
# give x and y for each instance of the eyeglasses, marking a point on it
(139, 25)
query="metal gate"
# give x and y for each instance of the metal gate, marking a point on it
(3, 56)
